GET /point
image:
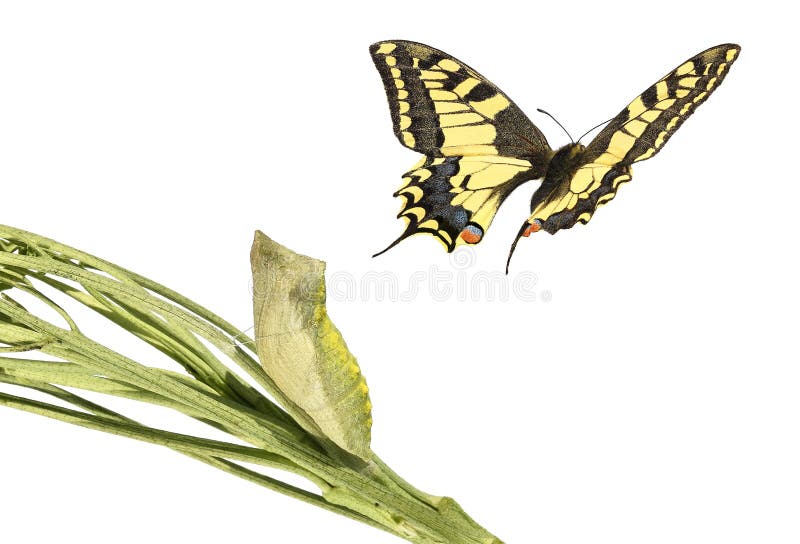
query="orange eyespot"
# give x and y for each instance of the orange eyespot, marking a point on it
(472, 234)
(536, 226)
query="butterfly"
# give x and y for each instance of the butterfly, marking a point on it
(478, 146)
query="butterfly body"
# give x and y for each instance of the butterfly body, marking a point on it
(563, 165)
(479, 146)
(560, 169)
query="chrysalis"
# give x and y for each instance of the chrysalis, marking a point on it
(302, 350)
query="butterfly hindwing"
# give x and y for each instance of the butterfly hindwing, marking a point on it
(592, 186)
(456, 198)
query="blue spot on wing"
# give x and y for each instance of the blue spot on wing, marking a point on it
(474, 229)
(437, 197)
(459, 217)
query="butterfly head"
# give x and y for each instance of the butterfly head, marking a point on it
(567, 154)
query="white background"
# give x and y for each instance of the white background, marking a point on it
(653, 399)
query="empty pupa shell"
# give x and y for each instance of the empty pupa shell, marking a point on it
(302, 350)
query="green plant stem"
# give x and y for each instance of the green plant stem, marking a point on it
(211, 392)
(215, 453)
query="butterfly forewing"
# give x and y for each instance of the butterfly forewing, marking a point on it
(442, 107)
(645, 125)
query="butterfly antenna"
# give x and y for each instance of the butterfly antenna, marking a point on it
(594, 127)
(540, 110)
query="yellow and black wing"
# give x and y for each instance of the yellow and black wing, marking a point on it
(636, 134)
(456, 198)
(478, 145)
